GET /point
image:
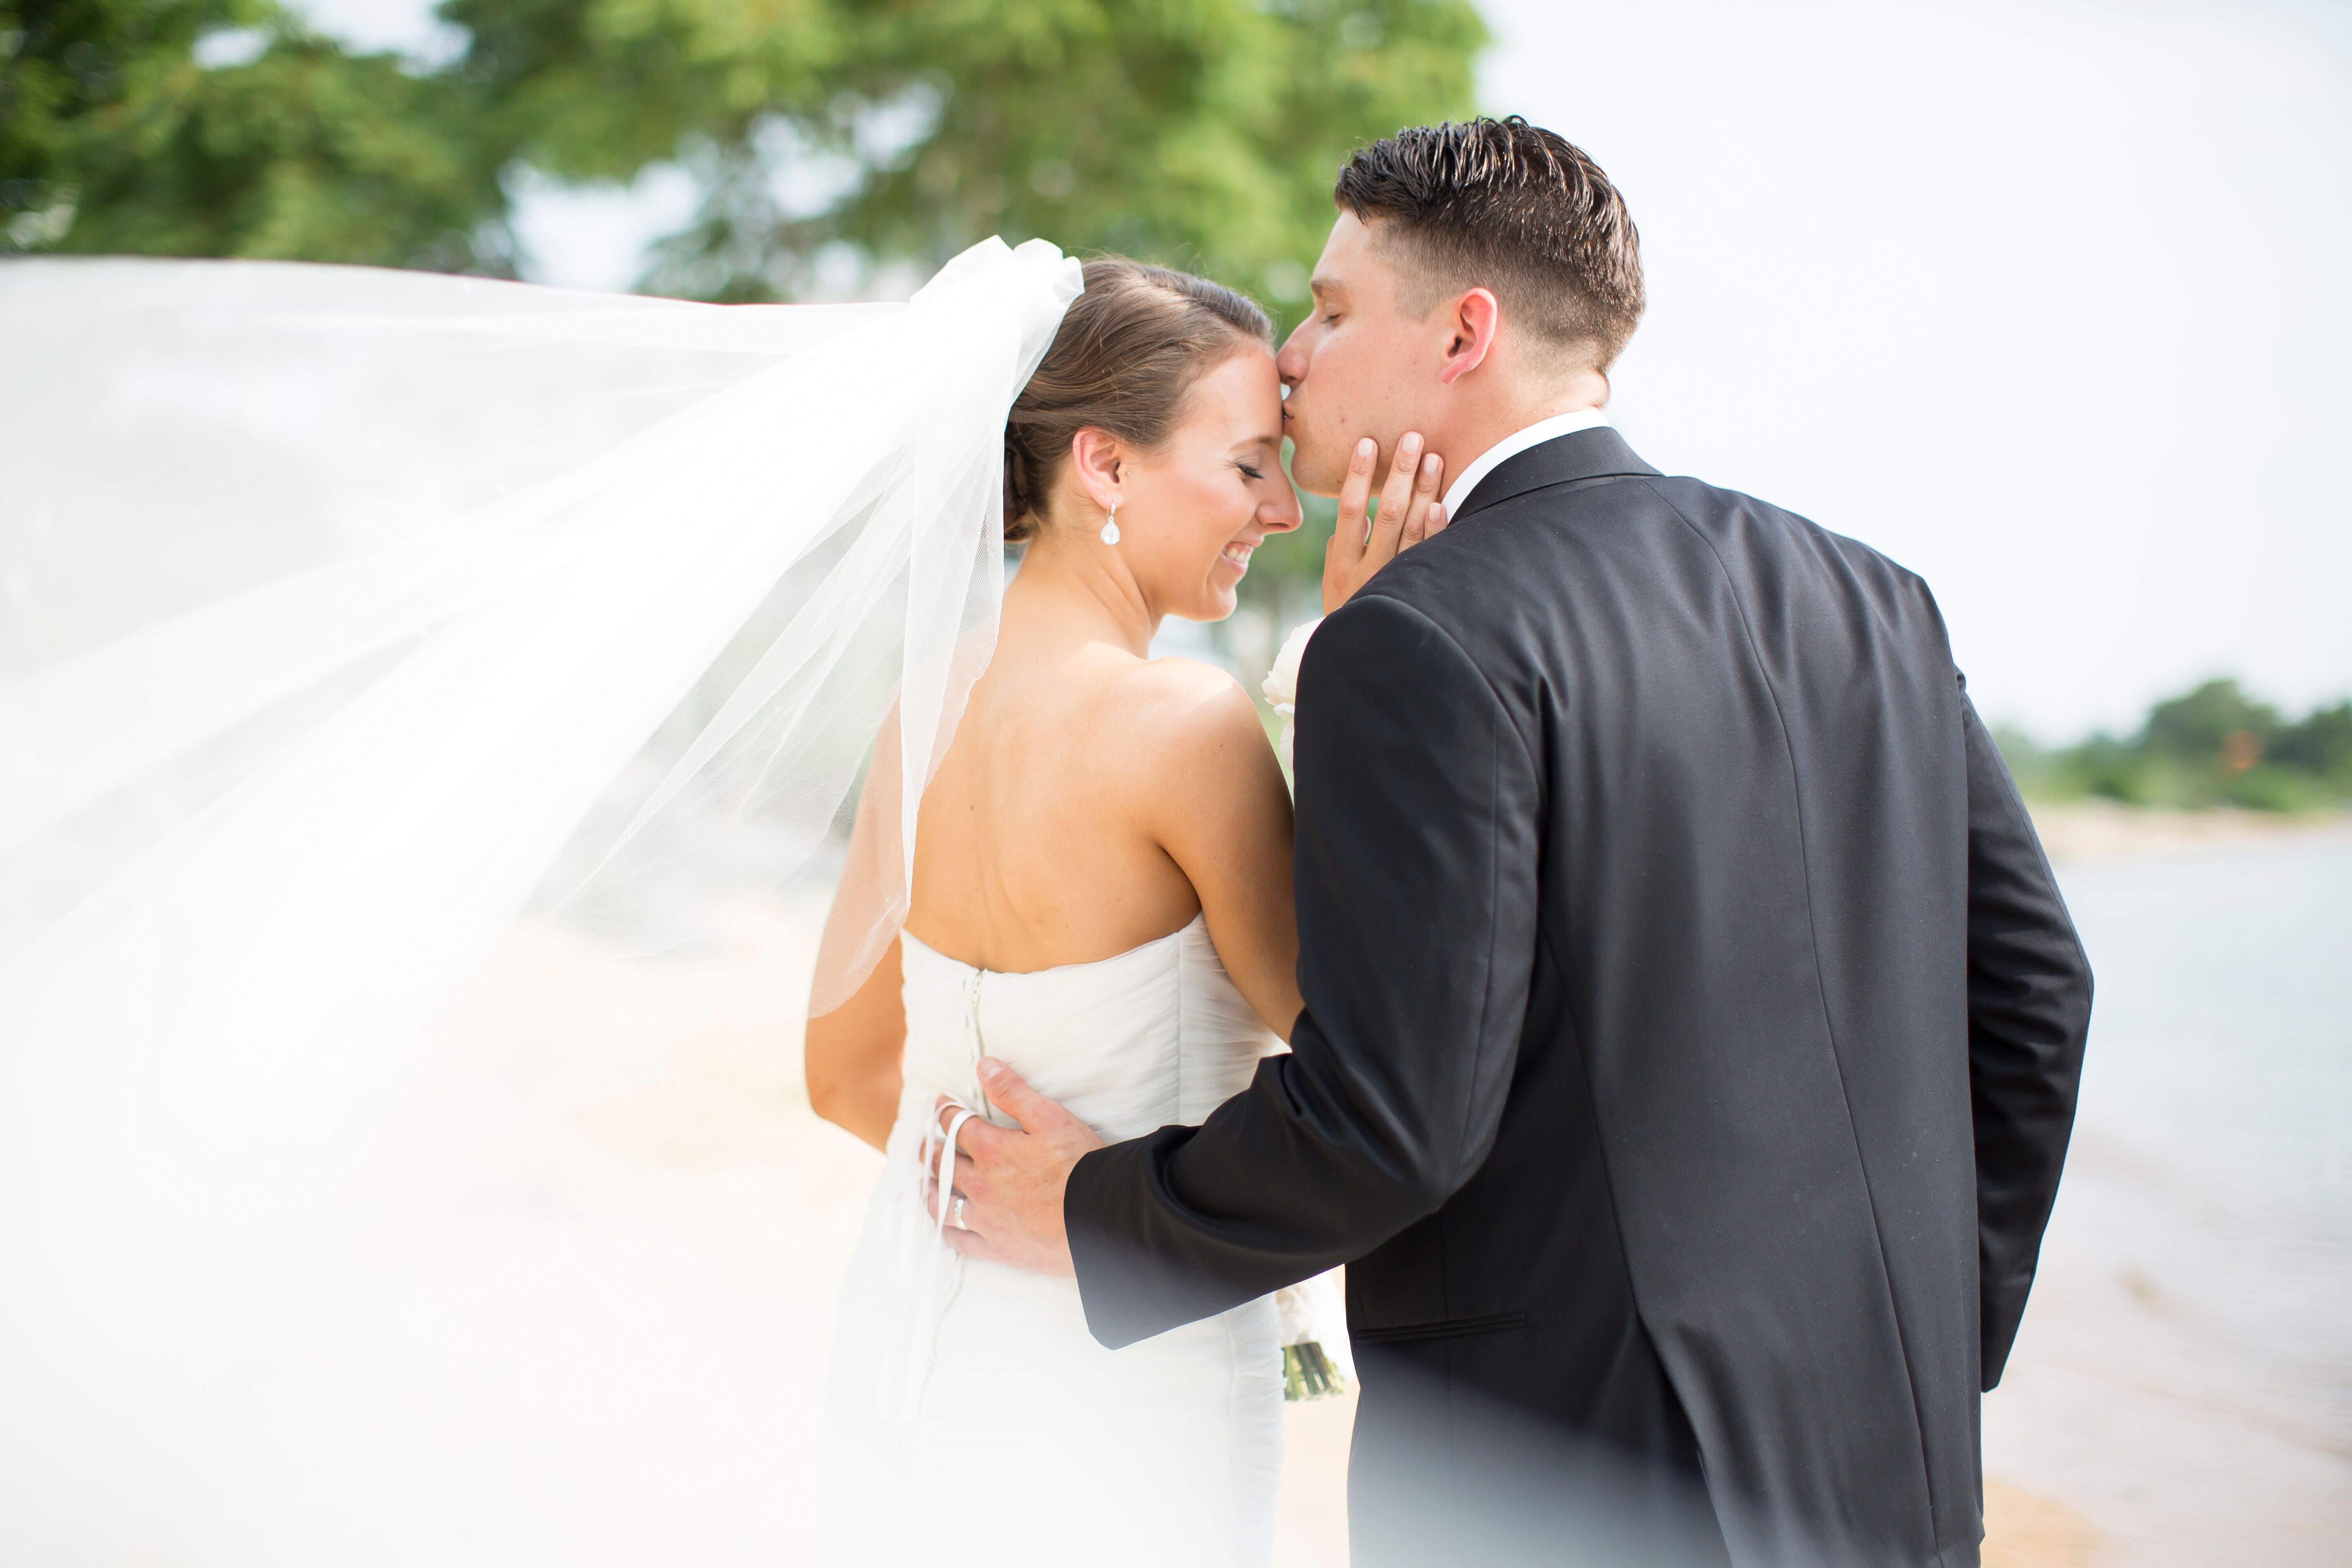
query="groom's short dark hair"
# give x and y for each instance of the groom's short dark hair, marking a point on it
(1506, 205)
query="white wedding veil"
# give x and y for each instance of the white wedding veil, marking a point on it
(346, 614)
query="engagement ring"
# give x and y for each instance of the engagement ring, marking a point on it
(956, 1214)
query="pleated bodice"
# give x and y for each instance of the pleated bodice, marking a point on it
(1155, 1035)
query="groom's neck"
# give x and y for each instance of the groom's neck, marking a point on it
(1479, 418)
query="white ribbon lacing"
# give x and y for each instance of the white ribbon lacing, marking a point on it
(942, 1266)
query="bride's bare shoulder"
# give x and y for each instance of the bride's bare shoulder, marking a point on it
(1179, 717)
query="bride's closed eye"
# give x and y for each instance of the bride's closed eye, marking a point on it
(1248, 471)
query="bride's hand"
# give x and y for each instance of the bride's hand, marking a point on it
(1010, 1182)
(1409, 512)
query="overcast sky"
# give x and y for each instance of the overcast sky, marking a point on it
(2047, 302)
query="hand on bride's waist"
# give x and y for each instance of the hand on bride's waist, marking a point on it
(1005, 1204)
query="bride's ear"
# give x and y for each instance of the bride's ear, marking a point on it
(1099, 464)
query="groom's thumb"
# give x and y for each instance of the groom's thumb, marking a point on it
(1012, 1096)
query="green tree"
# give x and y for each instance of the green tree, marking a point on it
(830, 137)
(1203, 133)
(2321, 745)
(2201, 726)
(2210, 746)
(117, 136)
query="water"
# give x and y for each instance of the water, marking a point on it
(2222, 1033)
(2183, 1379)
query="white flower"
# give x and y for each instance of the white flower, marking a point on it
(1281, 685)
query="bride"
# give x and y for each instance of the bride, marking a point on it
(357, 619)
(1101, 899)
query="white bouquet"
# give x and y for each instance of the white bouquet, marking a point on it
(1281, 683)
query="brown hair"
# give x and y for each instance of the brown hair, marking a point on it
(1512, 207)
(1128, 350)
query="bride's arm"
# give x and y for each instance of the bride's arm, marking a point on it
(853, 1055)
(1218, 806)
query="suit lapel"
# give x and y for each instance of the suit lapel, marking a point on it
(1598, 453)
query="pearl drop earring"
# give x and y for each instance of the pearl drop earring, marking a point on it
(1110, 525)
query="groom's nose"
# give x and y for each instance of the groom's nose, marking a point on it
(1290, 363)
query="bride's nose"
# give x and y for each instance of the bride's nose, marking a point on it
(1281, 514)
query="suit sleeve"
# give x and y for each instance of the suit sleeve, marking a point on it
(1416, 870)
(2029, 1015)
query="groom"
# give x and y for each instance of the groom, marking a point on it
(1692, 1022)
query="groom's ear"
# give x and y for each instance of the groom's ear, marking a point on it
(1472, 321)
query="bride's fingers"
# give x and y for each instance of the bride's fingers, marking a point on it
(1396, 496)
(1424, 514)
(1355, 490)
(1406, 505)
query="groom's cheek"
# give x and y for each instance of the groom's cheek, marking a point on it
(1311, 467)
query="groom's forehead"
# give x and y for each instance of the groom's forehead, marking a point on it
(1348, 257)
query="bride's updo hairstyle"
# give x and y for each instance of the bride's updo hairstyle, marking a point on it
(1128, 352)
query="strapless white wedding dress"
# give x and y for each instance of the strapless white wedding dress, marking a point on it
(970, 1418)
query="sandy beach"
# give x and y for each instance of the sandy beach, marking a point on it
(576, 1303)
(2097, 832)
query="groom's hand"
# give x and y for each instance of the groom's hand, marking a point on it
(1010, 1182)
(1408, 513)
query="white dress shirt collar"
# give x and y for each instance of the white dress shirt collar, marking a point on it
(1511, 445)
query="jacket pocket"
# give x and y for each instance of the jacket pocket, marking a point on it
(1442, 1329)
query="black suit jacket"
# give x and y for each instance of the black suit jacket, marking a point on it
(1692, 1034)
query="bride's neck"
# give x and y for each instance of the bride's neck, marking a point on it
(1085, 588)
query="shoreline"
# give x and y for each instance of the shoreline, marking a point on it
(2092, 832)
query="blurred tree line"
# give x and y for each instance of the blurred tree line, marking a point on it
(827, 137)
(2212, 746)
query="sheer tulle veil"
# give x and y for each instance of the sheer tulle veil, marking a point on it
(345, 614)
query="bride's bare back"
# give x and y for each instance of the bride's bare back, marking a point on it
(1079, 775)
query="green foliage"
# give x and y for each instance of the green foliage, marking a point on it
(114, 138)
(2211, 746)
(858, 133)
(1202, 134)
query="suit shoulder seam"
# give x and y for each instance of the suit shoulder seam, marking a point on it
(1485, 682)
